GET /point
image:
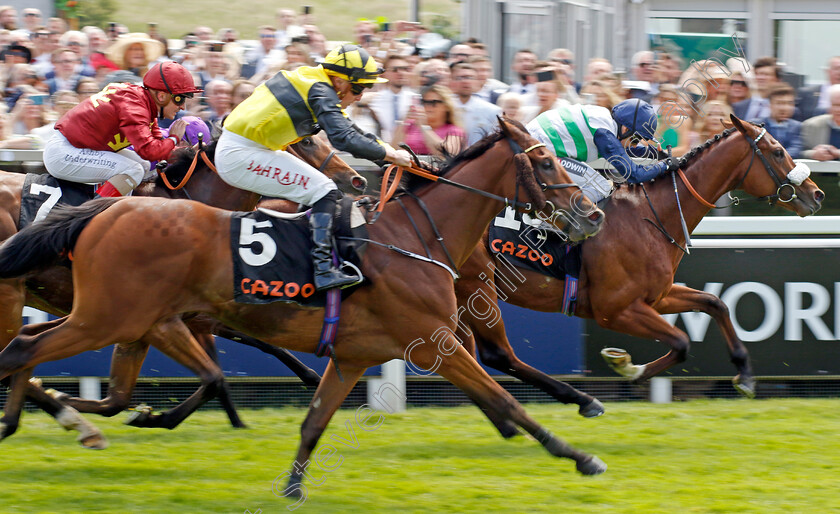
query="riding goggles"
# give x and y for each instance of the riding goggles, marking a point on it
(357, 88)
(180, 98)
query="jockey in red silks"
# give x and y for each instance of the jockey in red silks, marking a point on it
(90, 144)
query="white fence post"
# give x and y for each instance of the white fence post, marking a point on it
(388, 393)
(90, 388)
(660, 390)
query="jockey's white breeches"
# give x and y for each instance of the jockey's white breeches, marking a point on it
(251, 166)
(66, 162)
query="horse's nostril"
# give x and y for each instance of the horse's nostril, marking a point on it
(360, 183)
(596, 217)
(819, 196)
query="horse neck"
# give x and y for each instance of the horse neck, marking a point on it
(206, 187)
(713, 173)
(461, 216)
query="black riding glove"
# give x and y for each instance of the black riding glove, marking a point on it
(672, 164)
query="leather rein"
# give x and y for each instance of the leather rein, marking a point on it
(734, 200)
(201, 152)
(389, 187)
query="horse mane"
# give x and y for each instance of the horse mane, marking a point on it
(440, 167)
(695, 152)
(180, 161)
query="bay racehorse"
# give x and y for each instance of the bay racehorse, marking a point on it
(404, 301)
(51, 290)
(627, 275)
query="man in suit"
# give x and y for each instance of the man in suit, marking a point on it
(780, 123)
(821, 134)
(391, 103)
(758, 106)
(813, 100)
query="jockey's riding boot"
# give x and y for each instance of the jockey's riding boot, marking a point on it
(118, 185)
(107, 190)
(327, 276)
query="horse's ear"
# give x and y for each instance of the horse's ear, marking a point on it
(503, 124)
(738, 123)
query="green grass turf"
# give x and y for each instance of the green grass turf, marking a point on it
(701, 456)
(334, 18)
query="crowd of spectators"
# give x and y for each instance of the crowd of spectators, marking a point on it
(441, 97)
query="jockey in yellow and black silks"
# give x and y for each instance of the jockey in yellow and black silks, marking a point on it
(287, 107)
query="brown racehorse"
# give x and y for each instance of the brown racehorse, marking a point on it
(405, 301)
(627, 278)
(52, 290)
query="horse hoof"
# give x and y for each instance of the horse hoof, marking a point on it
(57, 395)
(240, 425)
(622, 363)
(591, 466)
(592, 409)
(139, 417)
(94, 442)
(6, 430)
(293, 487)
(744, 386)
(312, 380)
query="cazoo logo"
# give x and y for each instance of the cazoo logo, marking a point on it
(802, 304)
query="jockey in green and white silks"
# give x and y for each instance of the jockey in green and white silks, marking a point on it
(588, 132)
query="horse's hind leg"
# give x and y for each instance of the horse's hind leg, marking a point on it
(685, 299)
(328, 398)
(309, 377)
(208, 343)
(174, 339)
(495, 350)
(69, 418)
(641, 320)
(463, 371)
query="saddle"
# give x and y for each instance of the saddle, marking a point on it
(271, 253)
(42, 192)
(528, 243)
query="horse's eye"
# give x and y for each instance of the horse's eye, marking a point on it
(779, 154)
(547, 164)
(306, 141)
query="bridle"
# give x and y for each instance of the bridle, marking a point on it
(389, 187)
(781, 185)
(183, 182)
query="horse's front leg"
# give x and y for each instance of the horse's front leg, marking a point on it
(126, 363)
(641, 320)
(328, 398)
(479, 314)
(174, 339)
(684, 299)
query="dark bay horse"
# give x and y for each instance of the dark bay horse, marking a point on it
(405, 301)
(52, 290)
(627, 278)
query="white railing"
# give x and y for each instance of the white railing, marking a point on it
(36, 156)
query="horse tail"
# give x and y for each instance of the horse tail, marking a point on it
(45, 243)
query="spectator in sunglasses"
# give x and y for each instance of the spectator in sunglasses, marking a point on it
(740, 86)
(90, 144)
(644, 69)
(391, 103)
(433, 127)
(265, 56)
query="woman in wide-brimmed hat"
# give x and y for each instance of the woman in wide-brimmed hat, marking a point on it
(135, 52)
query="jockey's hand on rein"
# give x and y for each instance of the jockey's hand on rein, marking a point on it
(671, 164)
